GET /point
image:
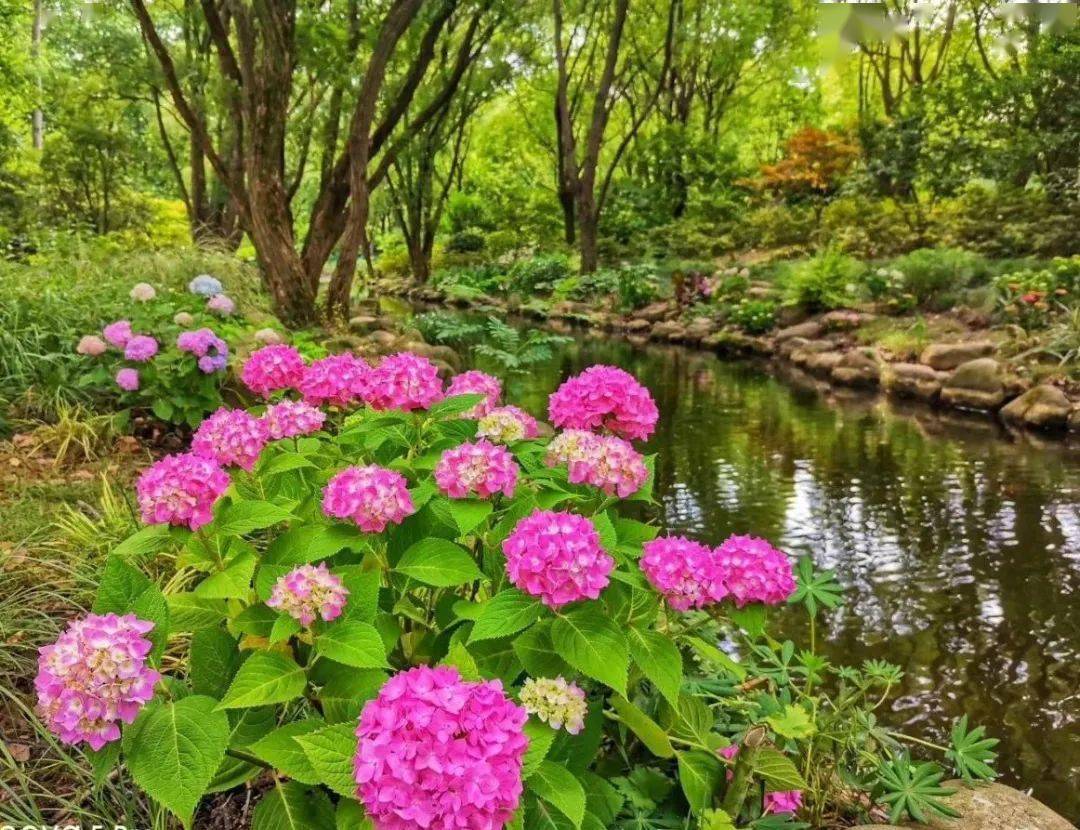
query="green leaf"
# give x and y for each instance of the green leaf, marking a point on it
(815, 590)
(438, 562)
(346, 691)
(777, 770)
(188, 612)
(971, 752)
(151, 538)
(541, 737)
(173, 750)
(592, 644)
(750, 618)
(292, 806)
(536, 652)
(283, 462)
(265, 677)
(506, 613)
(245, 516)
(459, 657)
(699, 774)
(309, 543)
(352, 643)
(351, 816)
(650, 733)
(232, 583)
(659, 660)
(606, 530)
(914, 791)
(794, 723)
(559, 788)
(214, 659)
(331, 752)
(466, 514)
(456, 405)
(281, 750)
(715, 820)
(707, 651)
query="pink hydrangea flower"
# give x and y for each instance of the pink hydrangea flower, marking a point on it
(231, 436)
(404, 381)
(291, 418)
(481, 468)
(338, 380)
(95, 676)
(684, 571)
(272, 368)
(568, 446)
(752, 570)
(181, 490)
(221, 304)
(91, 344)
(557, 557)
(783, 801)
(604, 397)
(439, 753)
(372, 497)
(142, 292)
(506, 424)
(127, 379)
(609, 463)
(140, 348)
(476, 383)
(118, 333)
(211, 350)
(308, 592)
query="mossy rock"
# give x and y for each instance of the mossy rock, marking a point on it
(993, 807)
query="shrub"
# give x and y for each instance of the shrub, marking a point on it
(538, 274)
(343, 612)
(754, 316)
(823, 282)
(639, 285)
(469, 240)
(775, 226)
(932, 274)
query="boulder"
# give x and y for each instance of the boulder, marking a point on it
(811, 329)
(913, 380)
(805, 348)
(437, 354)
(842, 320)
(818, 363)
(1041, 407)
(383, 339)
(976, 384)
(668, 330)
(858, 367)
(991, 807)
(1074, 419)
(637, 326)
(653, 312)
(699, 329)
(946, 356)
(363, 322)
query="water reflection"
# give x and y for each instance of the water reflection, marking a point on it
(960, 552)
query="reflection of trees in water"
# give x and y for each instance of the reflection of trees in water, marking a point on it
(956, 554)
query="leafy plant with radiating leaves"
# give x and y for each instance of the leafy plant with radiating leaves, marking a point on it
(914, 789)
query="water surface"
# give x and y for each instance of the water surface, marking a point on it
(960, 551)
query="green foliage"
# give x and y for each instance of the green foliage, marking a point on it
(754, 316)
(511, 351)
(934, 275)
(538, 274)
(913, 790)
(823, 282)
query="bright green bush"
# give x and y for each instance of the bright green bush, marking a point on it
(933, 275)
(826, 281)
(754, 316)
(538, 274)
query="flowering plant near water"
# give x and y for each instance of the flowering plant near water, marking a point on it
(389, 621)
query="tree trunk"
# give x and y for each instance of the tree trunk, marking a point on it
(35, 54)
(419, 261)
(587, 235)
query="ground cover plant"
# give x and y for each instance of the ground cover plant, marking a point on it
(380, 600)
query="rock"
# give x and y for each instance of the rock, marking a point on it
(268, 337)
(975, 384)
(637, 326)
(992, 807)
(637, 340)
(913, 380)
(653, 312)
(382, 338)
(841, 320)
(1042, 407)
(946, 356)
(699, 329)
(437, 354)
(805, 348)
(819, 363)
(1074, 419)
(570, 309)
(858, 367)
(668, 330)
(811, 329)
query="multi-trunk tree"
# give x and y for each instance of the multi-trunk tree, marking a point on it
(272, 62)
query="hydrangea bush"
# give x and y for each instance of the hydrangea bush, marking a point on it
(385, 619)
(166, 355)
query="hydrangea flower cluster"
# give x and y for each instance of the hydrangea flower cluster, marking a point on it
(128, 380)
(94, 676)
(118, 333)
(783, 801)
(506, 424)
(205, 286)
(604, 397)
(142, 292)
(221, 304)
(609, 463)
(231, 436)
(271, 369)
(92, 345)
(183, 319)
(337, 380)
(372, 497)
(308, 592)
(752, 570)
(557, 557)
(404, 381)
(440, 753)
(568, 446)
(684, 571)
(555, 702)
(181, 490)
(473, 382)
(211, 350)
(289, 419)
(140, 348)
(481, 468)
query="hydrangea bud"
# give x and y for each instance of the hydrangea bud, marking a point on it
(92, 345)
(308, 592)
(554, 701)
(142, 292)
(506, 424)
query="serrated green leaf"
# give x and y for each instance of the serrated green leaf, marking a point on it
(438, 562)
(352, 643)
(214, 659)
(265, 677)
(541, 737)
(659, 660)
(245, 516)
(777, 770)
(592, 644)
(331, 751)
(281, 750)
(650, 733)
(559, 788)
(699, 774)
(292, 806)
(506, 613)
